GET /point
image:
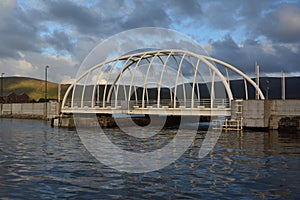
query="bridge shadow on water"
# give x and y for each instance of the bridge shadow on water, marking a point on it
(165, 122)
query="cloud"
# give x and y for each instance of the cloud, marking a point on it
(217, 14)
(147, 13)
(17, 33)
(62, 33)
(6, 6)
(33, 65)
(282, 24)
(181, 10)
(271, 57)
(67, 12)
(61, 41)
(18, 67)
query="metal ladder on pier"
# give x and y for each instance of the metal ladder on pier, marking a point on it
(236, 122)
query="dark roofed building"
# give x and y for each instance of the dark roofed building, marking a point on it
(15, 98)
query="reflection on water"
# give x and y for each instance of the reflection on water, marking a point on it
(37, 161)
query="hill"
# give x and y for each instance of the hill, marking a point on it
(271, 88)
(34, 88)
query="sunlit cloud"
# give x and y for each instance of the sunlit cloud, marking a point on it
(62, 33)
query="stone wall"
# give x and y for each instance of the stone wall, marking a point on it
(254, 113)
(275, 110)
(30, 110)
(267, 113)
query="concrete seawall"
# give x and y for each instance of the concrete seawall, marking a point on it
(266, 113)
(30, 110)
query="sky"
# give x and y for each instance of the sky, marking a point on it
(61, 33)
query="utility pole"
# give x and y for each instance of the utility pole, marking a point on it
(283, 85)
(257, 78)
(46, 87)
(2, 87)
(267, 88)
(59, 92)
(2, 100)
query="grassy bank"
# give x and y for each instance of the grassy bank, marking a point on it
(34, 88)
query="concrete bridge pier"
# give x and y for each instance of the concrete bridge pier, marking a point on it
(266, 114)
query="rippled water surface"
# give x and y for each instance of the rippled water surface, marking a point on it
(40, 162)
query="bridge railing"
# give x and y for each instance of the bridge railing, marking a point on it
(163, 103)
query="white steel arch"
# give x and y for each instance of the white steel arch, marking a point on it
(177, 71)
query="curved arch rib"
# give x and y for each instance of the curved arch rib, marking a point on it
(158, 53)
(261, 95)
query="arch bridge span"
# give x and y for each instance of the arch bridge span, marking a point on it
(160, 82)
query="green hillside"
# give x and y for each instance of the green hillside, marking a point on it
(34, 88)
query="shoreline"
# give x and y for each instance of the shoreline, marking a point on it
(22, 116)
(108, 122)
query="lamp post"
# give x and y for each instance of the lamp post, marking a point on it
(2, 100)
(283, 85)
(267, 88)
(46, 81)
(2, 87)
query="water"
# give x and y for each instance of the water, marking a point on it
(40, 162)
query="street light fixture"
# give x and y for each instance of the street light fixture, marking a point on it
(267, 88)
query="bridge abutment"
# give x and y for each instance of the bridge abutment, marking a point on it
(266, 114)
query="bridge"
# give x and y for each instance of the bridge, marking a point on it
(157, 82)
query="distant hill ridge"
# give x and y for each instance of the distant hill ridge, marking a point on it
(34, 88)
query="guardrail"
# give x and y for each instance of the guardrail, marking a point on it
(202, 103)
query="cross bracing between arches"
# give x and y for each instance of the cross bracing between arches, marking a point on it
(160, 81)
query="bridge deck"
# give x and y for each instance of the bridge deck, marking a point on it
(200, 111)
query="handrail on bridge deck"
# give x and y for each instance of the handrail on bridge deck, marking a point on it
(133, 104)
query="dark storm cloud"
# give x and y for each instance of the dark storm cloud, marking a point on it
(110, 17)
(244, 56)
(282, 24)
(17, 33)
(217, 14)
(67, 12)
(270, 34)
(103, 19)
(147, 14)
(288, 60)
(60, 41)
(191, 8)
(275, 20)
(240, 32)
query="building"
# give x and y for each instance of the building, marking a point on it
(15, 98)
